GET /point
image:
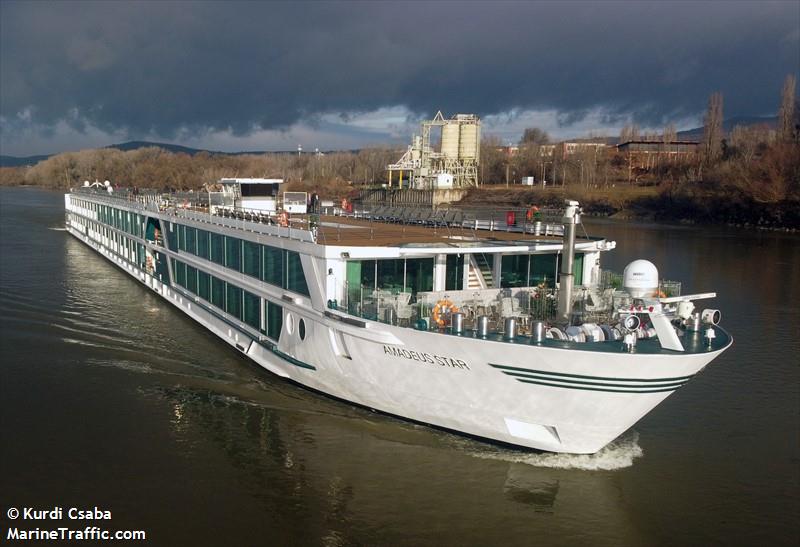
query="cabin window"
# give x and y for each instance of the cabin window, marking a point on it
(272, 270)
(295, 277)
(274, 318)
(172, 236)
(191, 279)
(202, 244)
(204, 285)
(252, 311)
(217, 248)
(191, 239)
(180, 273)
(218, 293)
(233, 253)
(233, 301)
(251, 260)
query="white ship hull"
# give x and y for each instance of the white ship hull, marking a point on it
(554, 399)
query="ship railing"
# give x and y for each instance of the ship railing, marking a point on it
(150, 200)
(433, 310)
(475, 219)
(248, 220)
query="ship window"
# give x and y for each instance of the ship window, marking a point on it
(272, 271)
(180, 274)
(233, 253)
(274, 315)
(191, 279)
(202, 243)
(191, 239)
(514, 271)
(577, 269)
(204, 285)
(218, 292)
(368, 268)
(543, 269)
(251, 259)
(217, 248)
(233, 301)
(172, 236)
(391, 274)
(252, 313)
(301, 329)
(295, 277)
(454, 277)
(419, 275)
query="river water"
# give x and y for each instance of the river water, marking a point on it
(111, 398)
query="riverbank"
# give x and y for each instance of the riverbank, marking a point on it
(652, 203)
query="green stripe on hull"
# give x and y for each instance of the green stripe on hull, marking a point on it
(292, 360)
(583, 377)
(597, 389)
(673, 385)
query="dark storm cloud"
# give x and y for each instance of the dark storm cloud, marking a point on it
(159, 68)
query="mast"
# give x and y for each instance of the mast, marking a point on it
(572, 217)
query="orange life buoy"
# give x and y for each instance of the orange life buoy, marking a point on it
(283, 218)
(439, 309)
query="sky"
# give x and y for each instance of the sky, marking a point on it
(235, 76)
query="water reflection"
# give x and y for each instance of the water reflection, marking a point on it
(528, 488)
(358, 476)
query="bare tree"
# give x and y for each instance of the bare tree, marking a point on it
(712, 128)
(629, 133)
(670, 133)
(786, 114)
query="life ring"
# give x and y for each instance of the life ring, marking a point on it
(283, 219)
(344, 204)
(440, 307)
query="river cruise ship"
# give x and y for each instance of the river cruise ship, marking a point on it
(502, 327)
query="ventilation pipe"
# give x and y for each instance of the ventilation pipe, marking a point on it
(572, 217)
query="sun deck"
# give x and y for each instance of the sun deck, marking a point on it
(365, 231)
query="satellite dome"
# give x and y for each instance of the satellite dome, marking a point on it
(640, 279)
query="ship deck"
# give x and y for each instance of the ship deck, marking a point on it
(351, 231)
(484, 228)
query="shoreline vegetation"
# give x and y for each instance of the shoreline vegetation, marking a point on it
(746, 176)
(763, 192)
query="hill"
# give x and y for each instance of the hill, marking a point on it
(14, 161)
(696, 134)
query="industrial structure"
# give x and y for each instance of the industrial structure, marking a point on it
(439, 161)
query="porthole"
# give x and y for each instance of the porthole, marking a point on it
(301, 329)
